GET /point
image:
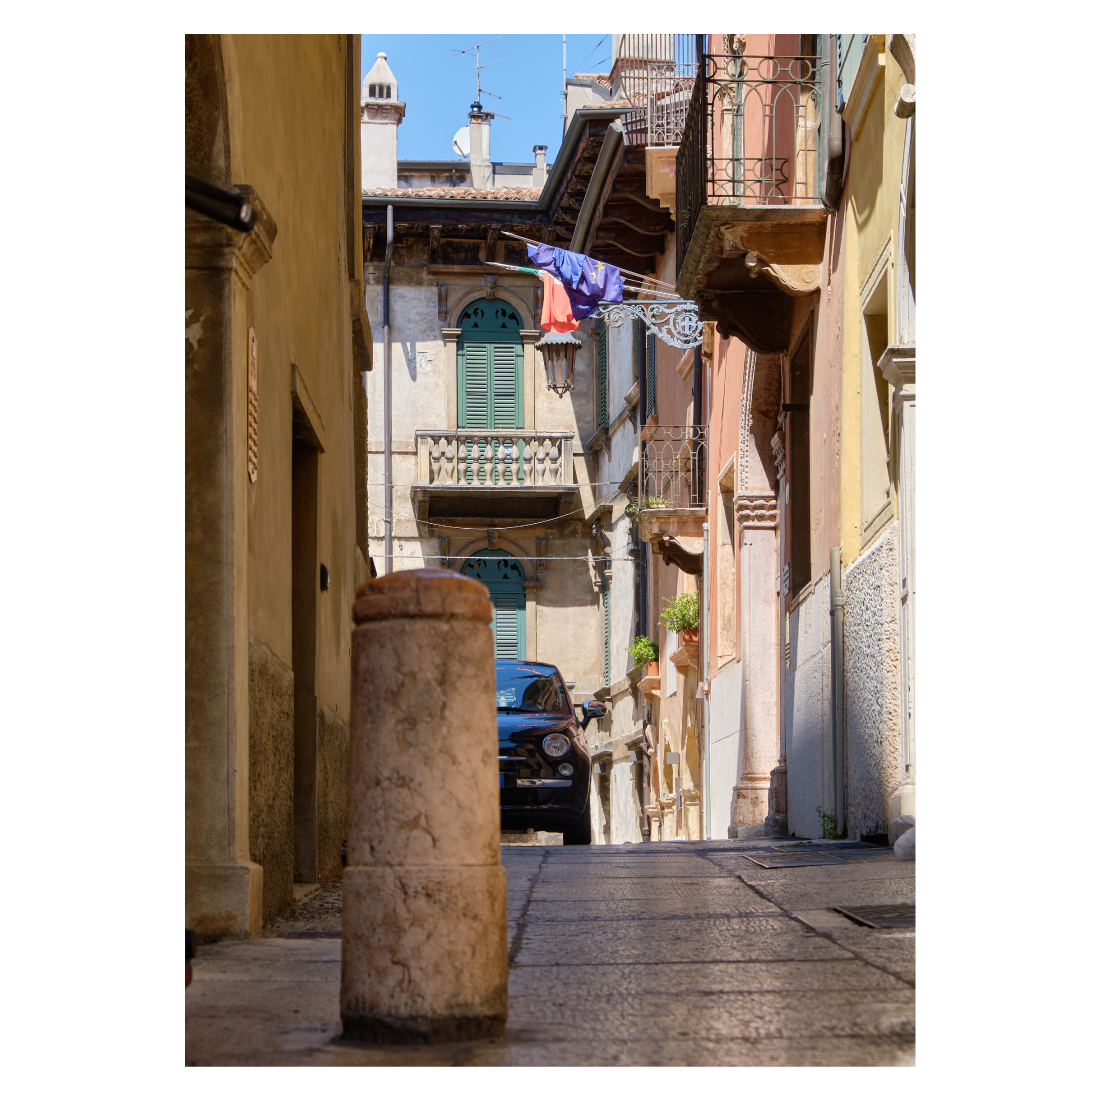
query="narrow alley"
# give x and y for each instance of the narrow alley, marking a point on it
(708, 953)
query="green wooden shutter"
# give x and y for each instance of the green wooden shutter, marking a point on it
(506, 387)
(474, 386)
(601, 376)
(607, 633)
(490, 386)
(509, 627)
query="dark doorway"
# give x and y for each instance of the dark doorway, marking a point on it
(304, 586)
(798, 462)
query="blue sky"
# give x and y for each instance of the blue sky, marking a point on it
(437, 88)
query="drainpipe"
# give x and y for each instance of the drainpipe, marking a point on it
(387, 393)
(836, 614)
(704, 680)
(834, 171)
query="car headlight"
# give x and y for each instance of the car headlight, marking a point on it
(554, 744)
(565, 769)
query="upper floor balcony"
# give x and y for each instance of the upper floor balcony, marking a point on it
(479, 474)
(750, 177)
(672, 488)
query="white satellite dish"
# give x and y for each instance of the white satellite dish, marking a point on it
(461, 142)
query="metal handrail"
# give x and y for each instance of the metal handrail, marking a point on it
(751, 137)
(673, 473)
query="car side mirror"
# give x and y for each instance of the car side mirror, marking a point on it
(592, 709)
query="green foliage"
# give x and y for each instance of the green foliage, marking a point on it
(828, 824)
(683, 612)
(632, 510)
(642, 650)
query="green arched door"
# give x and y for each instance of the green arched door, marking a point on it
(504, 577)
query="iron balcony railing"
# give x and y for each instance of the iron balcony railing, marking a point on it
(481, 459)
(751, 137)
(674, 465)
(656, 72)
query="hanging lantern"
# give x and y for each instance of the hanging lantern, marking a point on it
(559, 350)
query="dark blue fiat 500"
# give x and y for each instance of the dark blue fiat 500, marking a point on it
(544, 762)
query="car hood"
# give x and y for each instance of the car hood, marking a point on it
(512, 727)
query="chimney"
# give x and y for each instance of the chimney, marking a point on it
(538, 176)
(380, 113)
(481, 167)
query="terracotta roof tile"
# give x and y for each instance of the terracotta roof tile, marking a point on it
(522, 194)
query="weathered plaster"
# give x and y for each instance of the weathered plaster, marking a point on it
(872, 647)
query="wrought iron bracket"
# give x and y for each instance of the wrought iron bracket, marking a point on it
(673, 320)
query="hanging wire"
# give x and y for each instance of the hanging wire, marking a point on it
(590, 53)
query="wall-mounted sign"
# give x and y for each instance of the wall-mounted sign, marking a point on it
(253, 410)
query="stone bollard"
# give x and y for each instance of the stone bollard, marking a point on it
(425, 950)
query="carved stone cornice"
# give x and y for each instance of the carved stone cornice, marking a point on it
(392, 112)
(675, 554)
(210, 245)
(756, 510)
(797, 279)
(779, 451)
(898, 365)
(687, 654)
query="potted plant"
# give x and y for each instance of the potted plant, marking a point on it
(645, 503)
(644, 652)
(682, 615)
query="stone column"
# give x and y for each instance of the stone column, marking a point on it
(223, 887)
(425, 954)
(757, 518)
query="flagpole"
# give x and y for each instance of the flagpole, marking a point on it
(527, 240)
(537, 271)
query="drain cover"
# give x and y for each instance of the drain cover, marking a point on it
(772, 860)
(882, 916)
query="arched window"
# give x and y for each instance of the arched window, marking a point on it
(504, 577)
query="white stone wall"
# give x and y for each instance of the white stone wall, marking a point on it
(872, 686)
(725, 742)
(624, 805)
(807, 714)
(622, 600)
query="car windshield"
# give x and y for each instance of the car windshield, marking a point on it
(532, 690)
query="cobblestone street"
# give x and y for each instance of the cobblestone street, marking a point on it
(684, 954)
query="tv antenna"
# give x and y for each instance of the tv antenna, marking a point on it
(476, 50)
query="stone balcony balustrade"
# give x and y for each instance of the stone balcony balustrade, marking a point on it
(485, 474)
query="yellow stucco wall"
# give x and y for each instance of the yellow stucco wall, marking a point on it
(870, 223)
(287, 138)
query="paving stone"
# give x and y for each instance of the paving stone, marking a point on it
(825, 895)
(582, 1052)
(893, 950)
(879, 871)
(635, 979)
(558, 874)
(650, 908)
(635, 955)
(644, 889)
(717, 1016)
(728, 940)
